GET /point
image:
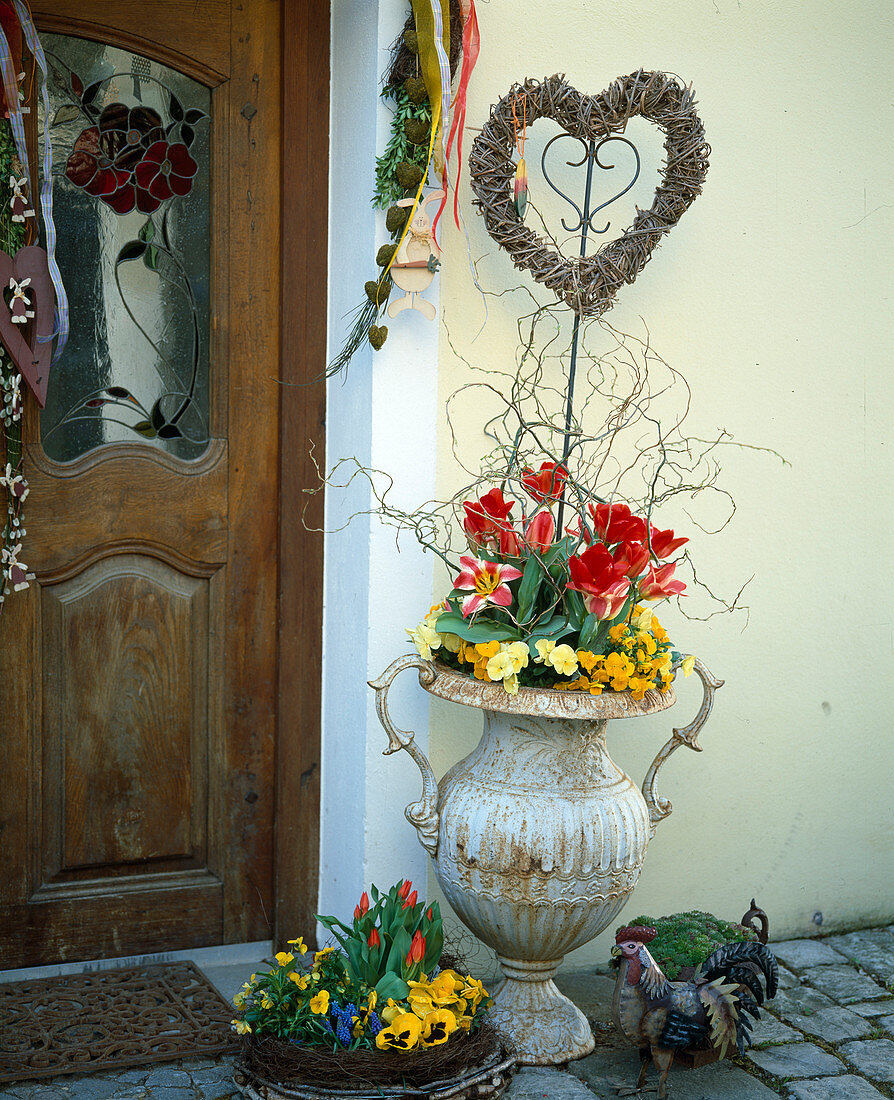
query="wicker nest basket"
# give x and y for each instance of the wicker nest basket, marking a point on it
(467, 1068)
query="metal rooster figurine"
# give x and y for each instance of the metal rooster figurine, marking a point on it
(660, 1017)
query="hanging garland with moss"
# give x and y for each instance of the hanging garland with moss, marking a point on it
(403, 167)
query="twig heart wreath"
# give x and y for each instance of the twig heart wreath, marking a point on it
(589, 284)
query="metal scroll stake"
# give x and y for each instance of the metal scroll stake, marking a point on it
(585, 227)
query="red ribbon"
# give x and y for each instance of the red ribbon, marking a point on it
(471, 49)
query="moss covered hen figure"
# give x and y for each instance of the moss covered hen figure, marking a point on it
(660, 1017)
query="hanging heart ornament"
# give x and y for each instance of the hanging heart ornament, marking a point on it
(589, 284)
(26, 312)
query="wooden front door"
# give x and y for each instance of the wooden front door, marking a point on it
(138, 721)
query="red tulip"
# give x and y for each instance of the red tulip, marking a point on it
(540, 532)
(660, 582)
(663, 543)
(363, 908)
(488, 518)
(547, 483)
(633, 557)
(404, 891)
(601, 580)
(417, 950)
(373, 939)
(411, 900)
(615, 523)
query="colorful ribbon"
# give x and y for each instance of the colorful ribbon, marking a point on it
(471, 49)
(46, 183)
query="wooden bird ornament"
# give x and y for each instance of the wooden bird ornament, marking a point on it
(416, 260)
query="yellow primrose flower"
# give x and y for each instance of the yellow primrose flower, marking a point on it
(240, 1027)
(299, 945)
(391, 1011)
(519, 653)
(487, 649)
(480, 671)
(563, 659)
(437, 1027)
(544, 647)
(403, 1034)
(319, 1004)
(510, 684)
(283, 958)
(425, 638)
(451, 642)
(500, 665)
(301, 980)
(641, 618)
(595, 688)
(688, 665)
(587, 659)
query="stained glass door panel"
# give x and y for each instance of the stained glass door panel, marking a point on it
(132, 149)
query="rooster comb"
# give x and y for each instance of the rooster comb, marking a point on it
(641, 932)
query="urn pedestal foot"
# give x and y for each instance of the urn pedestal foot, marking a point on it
(544, 1026)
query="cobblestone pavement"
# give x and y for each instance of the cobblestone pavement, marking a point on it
(828, 1035)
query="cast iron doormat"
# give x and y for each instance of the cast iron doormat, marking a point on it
(87, 1023)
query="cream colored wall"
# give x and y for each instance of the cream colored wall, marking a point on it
(773, 297)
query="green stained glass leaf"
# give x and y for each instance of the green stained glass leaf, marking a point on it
(66, 113)
(131, 251)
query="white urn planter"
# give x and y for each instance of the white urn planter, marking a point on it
(537, 836)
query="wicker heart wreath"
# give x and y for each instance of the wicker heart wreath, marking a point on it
(589, 285)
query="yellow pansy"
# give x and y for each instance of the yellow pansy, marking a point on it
(544, 647)
(595, 688)
(437, 1027)
(283, 958)
(519, 653)
(403, 1034)
(587, 659)
(617, 632)
(301, 980)
(299, 945)
(320, 955)
(425, 638)
(618, 665)
(487, 649)
(239, 1000)
(319, 1003)
(500, 665)
(473, 990)
(480, 671)
(563, 659)
(391, 1011)
(639, 686)
(240, 1027)
(266, 1002)
(645, 639)
(419, 999)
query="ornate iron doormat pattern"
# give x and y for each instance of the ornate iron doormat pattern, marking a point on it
(123, 1017)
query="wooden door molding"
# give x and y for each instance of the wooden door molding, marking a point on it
(305, 201)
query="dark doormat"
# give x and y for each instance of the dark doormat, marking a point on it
(87, 1023)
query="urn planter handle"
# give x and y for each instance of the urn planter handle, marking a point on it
(423, 815)
(659, 808)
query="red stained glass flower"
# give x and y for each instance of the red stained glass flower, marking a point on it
(92, 169)
(165, 170)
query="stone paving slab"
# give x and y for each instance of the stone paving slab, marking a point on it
(768, 1031)
(796, 1060)
(591, 992)
(873, 1008)
(873, 1057)
(189, 1079)
(604, 1070)
(541, 1083)
(802, 954)
(834, 1088)
(887, 1022)
(844, 984)
(814, 1012)
(873, 949)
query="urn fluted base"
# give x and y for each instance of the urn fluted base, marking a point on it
(546, 1028)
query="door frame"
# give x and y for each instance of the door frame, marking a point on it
(304, 294)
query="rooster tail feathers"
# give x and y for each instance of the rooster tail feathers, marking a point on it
(719, 1000)
(733, 960)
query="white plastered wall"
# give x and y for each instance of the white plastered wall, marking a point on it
(772, 296)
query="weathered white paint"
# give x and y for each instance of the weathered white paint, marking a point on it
(383, 413)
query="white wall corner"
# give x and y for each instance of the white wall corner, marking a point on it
(383, 413)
